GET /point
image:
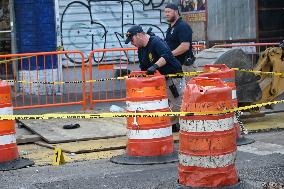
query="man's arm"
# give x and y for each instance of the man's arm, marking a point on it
(184, 35)
(141, 64)
(182, 48)
(161, 62)
(162, 50)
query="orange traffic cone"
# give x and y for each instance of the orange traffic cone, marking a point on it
(207, 151)
(9, 156)
(150, 139)
(228, 76)
(208, 147)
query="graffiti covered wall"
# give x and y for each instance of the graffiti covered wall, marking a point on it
(92, 24)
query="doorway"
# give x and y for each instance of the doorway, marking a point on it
(5, 27)
(6, 41)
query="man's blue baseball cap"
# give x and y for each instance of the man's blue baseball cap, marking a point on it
(172, 6)
(132, 31)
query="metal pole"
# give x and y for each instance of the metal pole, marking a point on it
(13, 38)
(58, 34)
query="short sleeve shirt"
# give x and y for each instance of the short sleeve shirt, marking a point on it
(155, 49)
(178, 33)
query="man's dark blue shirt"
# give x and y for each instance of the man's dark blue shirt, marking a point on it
(155, 49)
(178, 33)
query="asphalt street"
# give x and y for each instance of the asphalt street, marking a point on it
(257, 163)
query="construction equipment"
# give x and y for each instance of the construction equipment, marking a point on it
(251, 88)
(272, 86)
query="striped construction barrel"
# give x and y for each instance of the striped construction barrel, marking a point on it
(207, 150)
(148, 136)
(229, 77)
(8, 146)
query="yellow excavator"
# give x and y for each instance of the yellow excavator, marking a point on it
(272, 86)
(251, 88)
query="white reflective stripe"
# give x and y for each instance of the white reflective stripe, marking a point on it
(235, 119)
(234, 94)
(206, 125)
(6, 111)
(149, 134)
(7, 139)
(207, 161)
(147, 105)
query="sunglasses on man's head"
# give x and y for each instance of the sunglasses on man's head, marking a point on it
(128, 35)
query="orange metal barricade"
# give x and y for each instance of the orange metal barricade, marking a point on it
(37, 82)
(245, 45)
(111, 63)
(45, 79)
(196, 48)
(252, 49)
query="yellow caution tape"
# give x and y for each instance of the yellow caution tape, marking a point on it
(123, 115)
(259, 72)
(13, 59)
(99, 80)
(142, 75)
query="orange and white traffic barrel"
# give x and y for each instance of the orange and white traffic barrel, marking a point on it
(148, 137)
(229, 77)
(225, 74)
(9, 156)
(207, 150)
(8, 146)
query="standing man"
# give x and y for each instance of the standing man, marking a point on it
(179, 36)
(154, 54)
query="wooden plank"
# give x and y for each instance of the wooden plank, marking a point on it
(24, 139)
(93, 145)
(52, 130)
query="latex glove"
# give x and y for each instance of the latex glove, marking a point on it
(151, 70)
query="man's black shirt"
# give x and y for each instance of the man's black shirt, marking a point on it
(178, 33)
(155, 49)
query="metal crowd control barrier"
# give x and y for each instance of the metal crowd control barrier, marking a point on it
(245, 45)
(196, 47)
(110, 63)
(45, 79)
(48, 79)
(252, 49)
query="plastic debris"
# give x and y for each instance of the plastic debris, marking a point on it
(115, 108)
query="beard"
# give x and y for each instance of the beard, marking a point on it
(171, 19)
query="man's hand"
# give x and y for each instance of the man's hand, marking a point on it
(151, 70)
